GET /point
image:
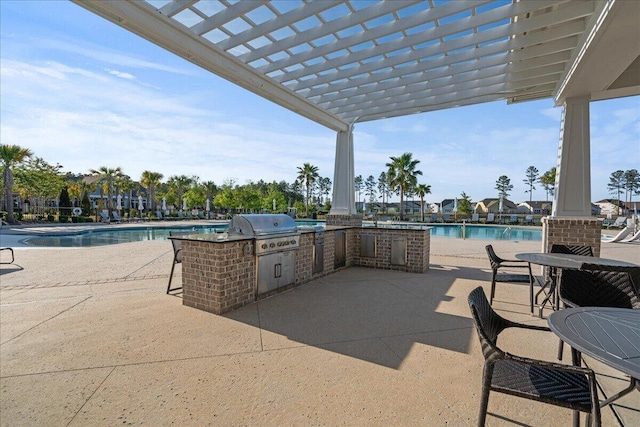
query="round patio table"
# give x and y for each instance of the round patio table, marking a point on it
(570, 260)
(560, 261)
(610, 335)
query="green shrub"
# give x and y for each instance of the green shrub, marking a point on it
(65, 203)
(63, 218)
(51, 218)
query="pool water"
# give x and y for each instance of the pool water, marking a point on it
(115, 236)
(486, 232)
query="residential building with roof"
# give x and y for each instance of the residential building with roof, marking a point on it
(535, 207)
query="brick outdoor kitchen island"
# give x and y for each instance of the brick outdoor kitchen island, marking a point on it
(219, 274)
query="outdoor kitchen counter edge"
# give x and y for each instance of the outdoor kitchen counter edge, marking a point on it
(213, 238)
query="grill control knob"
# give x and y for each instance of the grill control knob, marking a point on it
(279, 244)
(272, 245)
(264, 246)
(293, 242)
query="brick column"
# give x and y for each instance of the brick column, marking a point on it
(571, 231)
(217, 277)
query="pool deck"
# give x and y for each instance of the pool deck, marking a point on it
(88, 337)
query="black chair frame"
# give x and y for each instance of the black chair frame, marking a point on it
(13, 258)
(549, 287)
(572, 387)
(177, 259)
(498, 263)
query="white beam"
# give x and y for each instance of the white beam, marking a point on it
(228, 14)
(608, 46)
(433, 107)
(276, 23)
(176, 6)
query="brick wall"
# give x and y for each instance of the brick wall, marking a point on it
(417, 249)
(217, 277)
(304, 258)
(344, 220)
(571, 231)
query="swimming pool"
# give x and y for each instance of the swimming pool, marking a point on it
(101, 237)
(487, 232)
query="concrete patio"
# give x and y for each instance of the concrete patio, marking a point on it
(88, 337)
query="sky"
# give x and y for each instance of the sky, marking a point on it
(84, 93)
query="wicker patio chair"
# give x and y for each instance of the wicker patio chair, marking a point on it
(498, 263)
(596, 287)
(572, 249)
(634, 272)
(572, 387)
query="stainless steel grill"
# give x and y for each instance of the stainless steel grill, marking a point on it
(276, 238)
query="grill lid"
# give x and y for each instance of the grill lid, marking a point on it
(262, 224)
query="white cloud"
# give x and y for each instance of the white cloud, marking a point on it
(90, 121)
(102, 54)
(121, 74)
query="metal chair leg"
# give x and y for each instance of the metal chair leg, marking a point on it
(173, 266)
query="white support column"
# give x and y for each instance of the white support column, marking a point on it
(572, 196)
(343, 202)
(571, 222)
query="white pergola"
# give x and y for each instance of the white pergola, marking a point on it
(342, 62)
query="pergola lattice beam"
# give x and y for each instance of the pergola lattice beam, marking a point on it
(275, 24)
(144, 20)
(358, 18)
(176, 6)
(349, 42)
(438, 67)
(491, 84)
(227, 15)
(469, 41)
(339, 61)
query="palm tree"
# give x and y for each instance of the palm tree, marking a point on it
(124, 185)
(422, 190)
(548, 181)
(402, 175)
(108, 177)
(150, 180)
(308, 174)
(11, 155)
(210, 190)
(179, 185)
